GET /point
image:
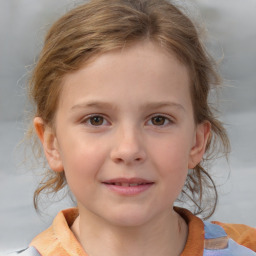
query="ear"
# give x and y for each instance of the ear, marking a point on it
(50, 144)
(201, 138)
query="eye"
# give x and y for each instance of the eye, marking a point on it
(159, 120)
(95, 120)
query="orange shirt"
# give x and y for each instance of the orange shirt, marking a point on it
(58, 239)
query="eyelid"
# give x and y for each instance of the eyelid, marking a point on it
(87, 118)
(166, 116)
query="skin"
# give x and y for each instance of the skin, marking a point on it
(144, 128)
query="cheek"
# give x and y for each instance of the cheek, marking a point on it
(82, 161)
(173, 153)
(171, 161)
(81, 170)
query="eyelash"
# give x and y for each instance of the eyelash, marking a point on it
(88, 120)
(164, 117)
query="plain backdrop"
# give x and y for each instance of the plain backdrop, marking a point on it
(231, 28)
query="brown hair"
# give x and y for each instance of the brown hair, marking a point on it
(103, 25)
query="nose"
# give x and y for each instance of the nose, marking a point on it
(128, 147)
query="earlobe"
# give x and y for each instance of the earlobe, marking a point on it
(201, 138)
(49, 143)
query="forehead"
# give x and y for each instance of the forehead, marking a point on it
(142, 70)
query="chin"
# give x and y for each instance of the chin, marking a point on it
(129, 218)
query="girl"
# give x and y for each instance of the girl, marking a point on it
(121, 94)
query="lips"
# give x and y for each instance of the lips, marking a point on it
(123, 182)
(126, 184)
(128, 187)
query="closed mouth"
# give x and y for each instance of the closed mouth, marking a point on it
(127, 184)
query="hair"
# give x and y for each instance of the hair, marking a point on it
(100, 26)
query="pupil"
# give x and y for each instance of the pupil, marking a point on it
(96, 120)
(158, 120)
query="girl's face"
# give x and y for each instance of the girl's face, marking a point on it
(125, 134)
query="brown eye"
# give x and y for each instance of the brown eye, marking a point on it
(158, 120)
(96, 120)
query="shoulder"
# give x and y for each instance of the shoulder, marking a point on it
(58, 239)
(229, 239)
(30, 251)
(242, 234)
(216, 238)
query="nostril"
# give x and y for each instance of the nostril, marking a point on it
(118, 160)
(128, 155)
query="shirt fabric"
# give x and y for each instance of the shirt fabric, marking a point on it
(204, 238)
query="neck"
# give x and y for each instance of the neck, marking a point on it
(164, 236)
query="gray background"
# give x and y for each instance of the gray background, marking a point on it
(231, 28)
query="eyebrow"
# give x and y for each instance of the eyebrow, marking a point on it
(147, 105)
(155, 105)
(94, 104)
